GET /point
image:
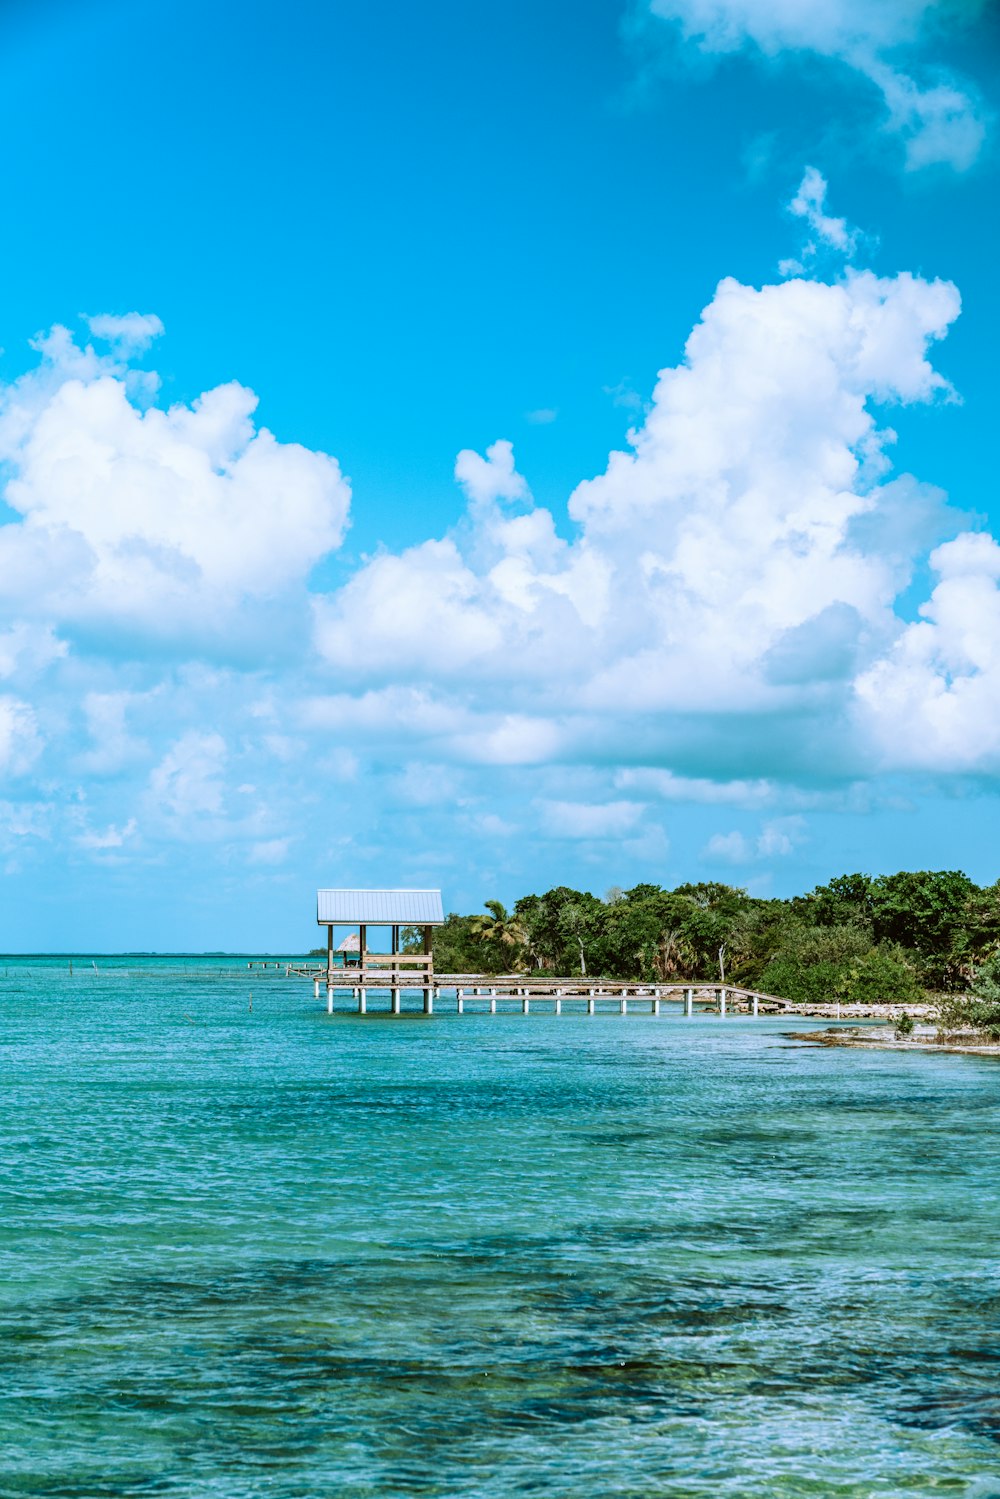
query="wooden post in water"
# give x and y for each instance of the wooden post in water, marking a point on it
(460, 1001)
(656, 1003)
(524, 1002)
(428, 971)
(623, 1003)
(720, 995)
(590, 1001)
(362, 1001)
(689, 1003)
(756, 1005)
(329, 999)
(315, 988)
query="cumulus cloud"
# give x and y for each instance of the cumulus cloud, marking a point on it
(715, 574)
(932, 701)
(938, 119)
(164, 521)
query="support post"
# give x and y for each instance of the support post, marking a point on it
(362, 1001)
(315, 988)
(493, 1001)
(656, 1003)
(558, 1001)
(623, 1003)
(721, 995)
(394, 992)
(329, 955)
(525, 1002)
(689, 1003)
(329, 999)
(429, 1001)
(590, 1001)
(460, 1001)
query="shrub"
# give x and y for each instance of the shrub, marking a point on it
(883, 976)
(803, 983)
(978, 1011)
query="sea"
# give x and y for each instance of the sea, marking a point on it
(248, 1249)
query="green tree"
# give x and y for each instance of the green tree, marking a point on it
(846, 900)
(925, 911)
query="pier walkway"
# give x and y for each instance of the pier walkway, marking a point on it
(383, 989)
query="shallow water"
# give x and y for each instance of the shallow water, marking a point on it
(274, 1253)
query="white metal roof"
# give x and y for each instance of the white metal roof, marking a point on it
(379, 908)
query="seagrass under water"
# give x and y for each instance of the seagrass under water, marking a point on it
(271, 1253)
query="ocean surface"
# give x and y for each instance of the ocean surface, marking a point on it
(272, 1253)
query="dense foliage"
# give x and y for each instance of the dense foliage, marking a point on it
(859, 938)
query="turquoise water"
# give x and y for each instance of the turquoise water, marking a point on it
(272, 1253)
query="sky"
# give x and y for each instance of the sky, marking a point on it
(490, 448)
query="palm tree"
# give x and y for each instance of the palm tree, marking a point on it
(499, 926)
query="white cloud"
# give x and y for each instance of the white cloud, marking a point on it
(112, 837)
(188, 782)
(884, 42)
(716, 567)
(776, 840)
(492, 478)
(20, 740)
(809, 203)
(542, 416)
(132, 332)
(728, 848)
(932, 701)
(29, 648)
(564, 819)
(166, 521)
(269, 851)
(667, 786)
(112, 745)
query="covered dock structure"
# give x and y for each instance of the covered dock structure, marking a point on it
(369, 968)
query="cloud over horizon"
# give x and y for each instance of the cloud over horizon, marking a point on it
(712, 622)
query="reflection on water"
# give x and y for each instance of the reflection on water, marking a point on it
(270, 1253)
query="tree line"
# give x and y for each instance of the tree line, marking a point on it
(892, 938)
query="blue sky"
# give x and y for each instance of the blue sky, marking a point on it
(316, 562)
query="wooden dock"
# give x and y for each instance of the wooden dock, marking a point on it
(381, 987)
